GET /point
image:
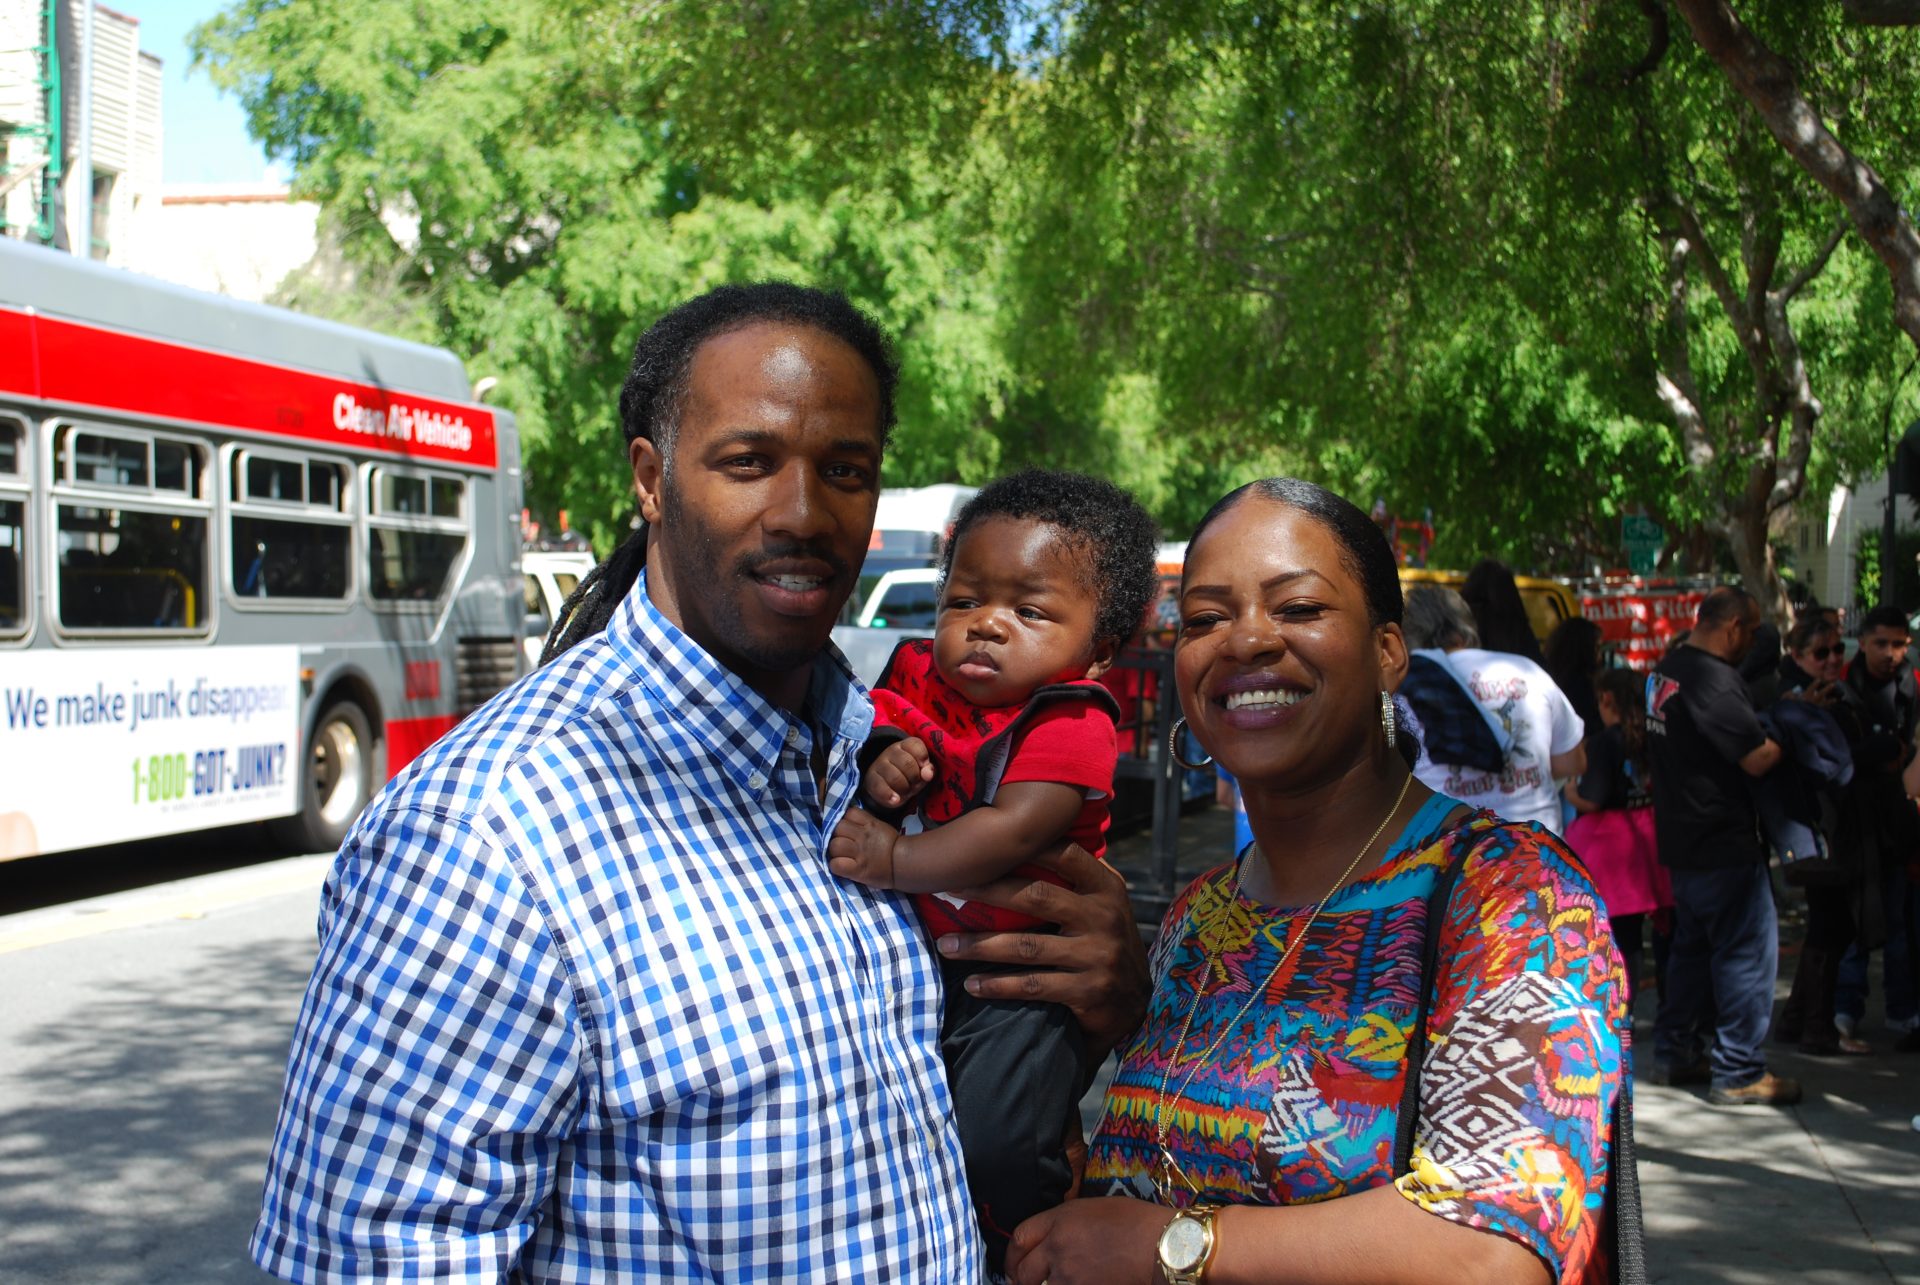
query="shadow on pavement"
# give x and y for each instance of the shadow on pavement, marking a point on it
(136, 1138)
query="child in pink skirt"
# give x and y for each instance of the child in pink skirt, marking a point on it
(1614, 832)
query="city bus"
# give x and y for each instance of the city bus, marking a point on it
(251, 563)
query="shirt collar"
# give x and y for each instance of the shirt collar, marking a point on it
(725, 721)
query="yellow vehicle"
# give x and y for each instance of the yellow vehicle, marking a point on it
(1548, 602)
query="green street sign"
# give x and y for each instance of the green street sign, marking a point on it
(1638, 532)
(1640, 560)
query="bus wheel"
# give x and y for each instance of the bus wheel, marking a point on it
(338, 780)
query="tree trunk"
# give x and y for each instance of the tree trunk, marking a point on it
(1767, 82)
(1746, 533)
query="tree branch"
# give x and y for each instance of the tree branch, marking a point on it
(1883, 13)
(1765, 80)
(1818, 264)
(1803, 408)
(1674, 380)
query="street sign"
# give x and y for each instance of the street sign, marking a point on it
(1643, 539)
(1639, 531)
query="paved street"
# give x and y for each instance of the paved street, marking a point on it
(145, 1034)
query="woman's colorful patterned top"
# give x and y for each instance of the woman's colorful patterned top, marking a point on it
(1299, 1102)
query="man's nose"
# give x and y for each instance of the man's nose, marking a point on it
(796, 506)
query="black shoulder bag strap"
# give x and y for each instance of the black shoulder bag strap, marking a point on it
(1623, 1177)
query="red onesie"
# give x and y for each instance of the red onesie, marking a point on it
(1064, 732)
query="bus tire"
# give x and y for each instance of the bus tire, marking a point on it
(336, 780)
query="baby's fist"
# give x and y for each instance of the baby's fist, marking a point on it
(862, 849)
(899, 773)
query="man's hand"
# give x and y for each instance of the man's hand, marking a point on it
(861, 849)
(899, 774)
(1095, 964)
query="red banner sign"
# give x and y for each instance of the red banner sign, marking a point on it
(65, 361)
(1638, 625)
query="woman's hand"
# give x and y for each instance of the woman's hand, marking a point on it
(1109, 1240)
(1095, 965)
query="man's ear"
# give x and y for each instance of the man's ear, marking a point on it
(1105, 652)
(649, 475)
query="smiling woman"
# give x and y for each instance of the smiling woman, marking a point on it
(1276, 1115)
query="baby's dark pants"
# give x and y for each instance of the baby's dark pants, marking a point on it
(1017, 1071)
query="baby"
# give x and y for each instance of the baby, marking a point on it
(998, 738)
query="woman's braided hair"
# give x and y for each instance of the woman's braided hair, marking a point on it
(655, 393)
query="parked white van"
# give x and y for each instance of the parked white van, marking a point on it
(550, 576)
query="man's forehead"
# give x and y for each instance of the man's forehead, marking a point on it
(779, 367)
(1891, 634)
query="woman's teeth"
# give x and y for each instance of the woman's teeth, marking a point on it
(1262, 698)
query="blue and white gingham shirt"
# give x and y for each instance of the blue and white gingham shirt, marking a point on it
(589, 1006)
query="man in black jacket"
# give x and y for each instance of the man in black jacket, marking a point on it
(1705, 743)
(1889, 706)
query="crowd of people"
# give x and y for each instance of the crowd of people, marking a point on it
(689, 958)
(1743, 766)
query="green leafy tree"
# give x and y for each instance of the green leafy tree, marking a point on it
(1531, 265)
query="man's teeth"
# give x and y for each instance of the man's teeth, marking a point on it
(796, 584)
(1262, 698)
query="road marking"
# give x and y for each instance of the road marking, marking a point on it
(188, 899)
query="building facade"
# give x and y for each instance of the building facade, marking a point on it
(79, 105)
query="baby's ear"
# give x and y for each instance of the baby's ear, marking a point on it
(1105, 652)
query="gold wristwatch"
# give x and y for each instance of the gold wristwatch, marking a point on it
(1187, 1245)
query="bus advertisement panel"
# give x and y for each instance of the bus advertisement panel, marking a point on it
(251, 563)
(181, 740)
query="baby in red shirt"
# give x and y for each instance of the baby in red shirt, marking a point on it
(996, 740)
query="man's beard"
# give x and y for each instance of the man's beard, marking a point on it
(698, 568)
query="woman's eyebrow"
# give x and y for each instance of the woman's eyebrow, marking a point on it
(1271, 582)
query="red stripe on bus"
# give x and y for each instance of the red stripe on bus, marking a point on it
(89, 366)
(408, 738)
(16, 353)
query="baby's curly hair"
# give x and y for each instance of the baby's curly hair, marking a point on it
(1096, 519)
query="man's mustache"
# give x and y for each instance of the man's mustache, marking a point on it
(752, 563)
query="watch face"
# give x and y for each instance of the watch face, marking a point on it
(1183, 1244)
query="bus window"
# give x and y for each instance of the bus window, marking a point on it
(416, 534)
(270, 480)
(289, 538)
(13, 565)
(397, 494)
(176, 467)
(132, 569)
(123, 567)
(13, 527)
(95, 459)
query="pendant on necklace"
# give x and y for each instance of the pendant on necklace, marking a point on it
(1165, 1169)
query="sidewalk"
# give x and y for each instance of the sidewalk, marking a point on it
(1828, 1191)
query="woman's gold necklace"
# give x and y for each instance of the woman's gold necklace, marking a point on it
(1167, 1165)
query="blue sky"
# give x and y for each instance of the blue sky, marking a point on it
(205, 131)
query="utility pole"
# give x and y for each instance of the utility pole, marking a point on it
(80, 182)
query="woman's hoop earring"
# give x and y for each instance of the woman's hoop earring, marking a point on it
(1173, 749)
(1387, 717)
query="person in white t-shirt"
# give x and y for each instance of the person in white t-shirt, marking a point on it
(1542, 734)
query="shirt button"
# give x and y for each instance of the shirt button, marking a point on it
(755, 781)
(794, 739)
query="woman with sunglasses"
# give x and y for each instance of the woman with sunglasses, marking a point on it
(1814, 663)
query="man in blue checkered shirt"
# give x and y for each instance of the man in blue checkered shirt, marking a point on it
(589, 1006)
